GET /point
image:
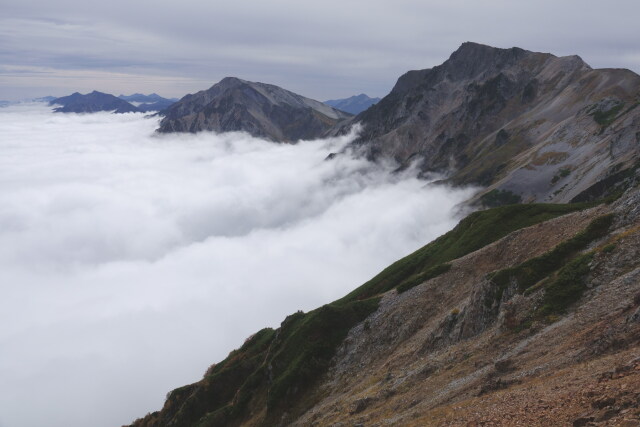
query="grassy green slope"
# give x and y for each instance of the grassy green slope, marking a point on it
(472, 233)
(277, 369)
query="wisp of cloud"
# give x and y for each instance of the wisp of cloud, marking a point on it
(129, 262)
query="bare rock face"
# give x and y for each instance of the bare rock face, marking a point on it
(533, 125)
(262, 110)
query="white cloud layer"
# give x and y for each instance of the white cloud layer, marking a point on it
(130, 262)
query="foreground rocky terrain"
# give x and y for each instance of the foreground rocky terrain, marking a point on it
(447, 353)
(521, 315)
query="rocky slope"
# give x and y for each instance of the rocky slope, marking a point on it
(355, 104)
(91, 103)
(521, 315)
(529, 125)
(262, 110)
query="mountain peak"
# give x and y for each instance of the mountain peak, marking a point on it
(91, 102)
(469, 45)
(354, 104)
(468, 48)
(483, 105)
(261, 109)
(231, 81)
(472, 59)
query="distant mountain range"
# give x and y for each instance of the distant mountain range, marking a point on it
(41, 99)
(98, 101)
(260, 109)
(354, 105)
(146, 103)
(91, 103)
(522, 125)
(139, 97)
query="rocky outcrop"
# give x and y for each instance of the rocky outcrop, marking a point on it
(533, 125)
(262, 110)
(355, 104)
(91, 103)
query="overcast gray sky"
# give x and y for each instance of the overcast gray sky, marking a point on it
(321, 49)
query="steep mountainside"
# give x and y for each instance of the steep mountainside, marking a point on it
(531, 125)
(522, 312)
(525, 314)
(260, 109)
(355, 104)
(91, 103)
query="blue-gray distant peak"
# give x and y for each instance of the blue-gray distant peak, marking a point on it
(354, 105)
(139, 97)
(146, 103)
(91, 103)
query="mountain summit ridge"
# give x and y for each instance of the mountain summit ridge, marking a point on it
(495, 117)
(261, 109)
(91, 103)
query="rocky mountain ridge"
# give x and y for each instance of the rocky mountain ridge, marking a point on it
(99, 101)
(260, 109)
(531, 126)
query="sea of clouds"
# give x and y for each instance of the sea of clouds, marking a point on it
(129, 261)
